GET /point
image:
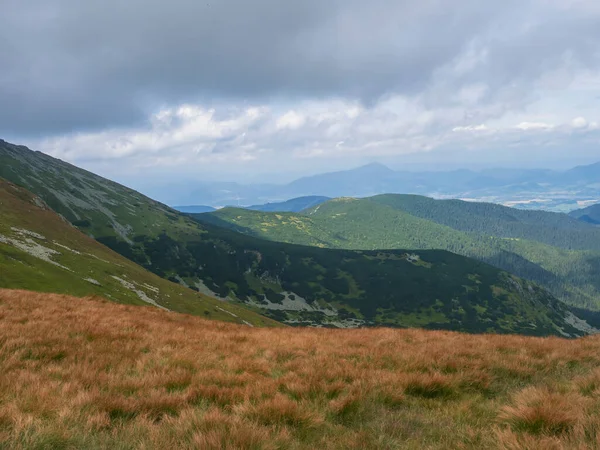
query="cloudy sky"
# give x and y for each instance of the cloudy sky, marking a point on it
(226, 89)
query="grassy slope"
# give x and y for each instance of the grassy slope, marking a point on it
(551, 249)
(182, 382)
(83, 258)
(300, 285)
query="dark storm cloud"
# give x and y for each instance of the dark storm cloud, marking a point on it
(70, 64)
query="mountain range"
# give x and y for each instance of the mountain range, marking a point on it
(527, 189)
(290, 283)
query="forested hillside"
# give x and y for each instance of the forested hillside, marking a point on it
(555, 250)
(550, 228)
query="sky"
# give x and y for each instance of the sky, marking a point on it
(269, 90)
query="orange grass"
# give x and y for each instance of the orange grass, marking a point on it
(87, 373)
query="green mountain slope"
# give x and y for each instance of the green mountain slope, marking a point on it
(562, 246)
(341, 223)
(294, 284)
(549, 248)
(40, 251)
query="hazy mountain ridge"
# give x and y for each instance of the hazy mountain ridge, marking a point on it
(295, 284)
(523, 188)
(194, 209)
(292, 205)
(590, 215)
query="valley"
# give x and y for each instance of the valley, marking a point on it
(292, 284)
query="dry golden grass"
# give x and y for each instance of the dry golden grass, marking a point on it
(86, 373)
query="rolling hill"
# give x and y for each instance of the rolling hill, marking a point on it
(555, 250)
(86, 373)
(290, 283)
(40, 251)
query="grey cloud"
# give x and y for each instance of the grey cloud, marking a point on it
(78, 65)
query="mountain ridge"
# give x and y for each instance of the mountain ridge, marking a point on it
(590, 214)
(525, 188)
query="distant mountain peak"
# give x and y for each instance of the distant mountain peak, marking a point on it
(375, 167)
(585, 173)
(594, 166)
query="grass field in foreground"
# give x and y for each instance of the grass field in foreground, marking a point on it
(87, 373)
